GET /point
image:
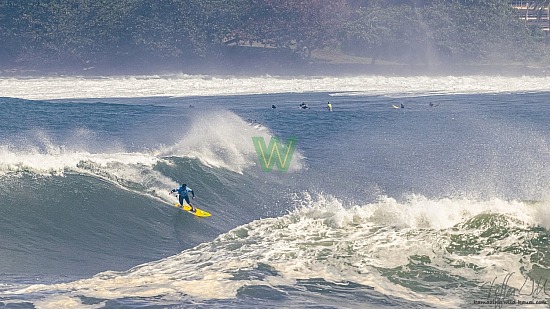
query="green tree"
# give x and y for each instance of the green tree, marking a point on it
(436, 31)
(300, 26)
(173, 28)
(401, 31)
(370, 32)
(490, 30)
(90, 32)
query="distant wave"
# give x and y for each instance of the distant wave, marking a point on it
(198, 85)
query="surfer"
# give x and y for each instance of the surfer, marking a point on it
(304, 106)
(329, 106)
(183, 193)
(273, 106)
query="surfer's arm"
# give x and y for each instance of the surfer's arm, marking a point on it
(192, 192)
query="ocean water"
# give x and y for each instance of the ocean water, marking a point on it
(441, 204)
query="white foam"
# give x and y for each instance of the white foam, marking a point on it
(198, 85)
(63, 301)
(129, 170)
(420, 212)
(322, 240)
(57, 162)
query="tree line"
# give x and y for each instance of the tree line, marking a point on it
(81, 32)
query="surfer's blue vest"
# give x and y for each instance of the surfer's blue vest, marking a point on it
(184, 192)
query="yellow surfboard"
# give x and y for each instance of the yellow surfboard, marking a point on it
(198, 213)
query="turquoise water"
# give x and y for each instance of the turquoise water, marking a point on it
(416, 207)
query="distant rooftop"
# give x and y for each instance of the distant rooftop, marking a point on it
(533, 14)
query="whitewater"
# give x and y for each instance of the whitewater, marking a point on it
(441, 204)
(181, 85)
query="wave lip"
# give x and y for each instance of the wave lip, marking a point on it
(223, 140)
(45, 163)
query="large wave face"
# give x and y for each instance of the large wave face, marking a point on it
(85, 186)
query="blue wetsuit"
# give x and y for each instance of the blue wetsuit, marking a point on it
(183, 193)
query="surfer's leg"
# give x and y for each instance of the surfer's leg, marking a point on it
(181, 200)
(189, 203)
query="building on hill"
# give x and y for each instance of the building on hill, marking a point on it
(534, 13)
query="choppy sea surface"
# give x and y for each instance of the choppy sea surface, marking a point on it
(440, 204)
